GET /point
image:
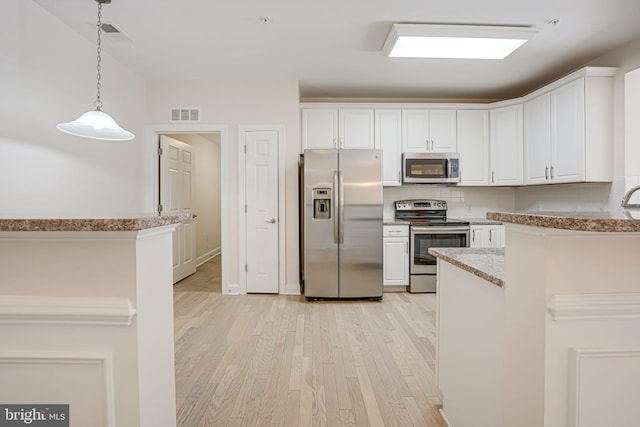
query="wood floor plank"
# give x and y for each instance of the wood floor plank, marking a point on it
(281, 361)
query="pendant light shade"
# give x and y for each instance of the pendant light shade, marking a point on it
(96, 124)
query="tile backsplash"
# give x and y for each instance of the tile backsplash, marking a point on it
(463, 202)
(475, 202)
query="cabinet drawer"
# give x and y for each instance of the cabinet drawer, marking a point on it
(395, 231)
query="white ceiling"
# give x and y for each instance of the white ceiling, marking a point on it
(332, 47)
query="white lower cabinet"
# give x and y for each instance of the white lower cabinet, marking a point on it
(395, 257)
(486, 236)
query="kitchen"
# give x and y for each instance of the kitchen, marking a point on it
(45, 162)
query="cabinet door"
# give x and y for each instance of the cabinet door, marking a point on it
(415, 131)
(567, 133)
(388, 137)
(473, 146)
(505, 145)
(396, 261)
(355, 128)
(442, 131)
(319, 128)
(478, 236)
(486, 236)
(537, 140)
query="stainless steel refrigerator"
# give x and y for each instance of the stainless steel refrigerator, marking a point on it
(342, 223)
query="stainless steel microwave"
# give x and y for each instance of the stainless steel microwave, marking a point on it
(430, 168)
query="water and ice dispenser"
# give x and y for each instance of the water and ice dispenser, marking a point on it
(321, 203)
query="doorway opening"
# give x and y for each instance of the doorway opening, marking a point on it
(211, 142)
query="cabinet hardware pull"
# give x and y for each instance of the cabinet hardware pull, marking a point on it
(493, 177)
(473, 236)
(546, 172)
(490, 233)
(551, 172)
(406, 247)
(334, 143)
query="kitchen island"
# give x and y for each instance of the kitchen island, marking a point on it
(558, 343)
(86, 317)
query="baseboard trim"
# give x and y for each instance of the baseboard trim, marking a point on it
(208, 255)
(291, 289)
(444, 418)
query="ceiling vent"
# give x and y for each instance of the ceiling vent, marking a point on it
(185, 115)
(109, 29)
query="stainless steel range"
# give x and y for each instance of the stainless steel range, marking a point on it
(429, 228)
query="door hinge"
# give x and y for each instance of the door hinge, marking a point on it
(159, 151)
(160, 208)
(246, 269)
(245, 149)
(245, 208)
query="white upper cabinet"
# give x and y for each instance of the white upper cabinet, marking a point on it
(319, 128)
(355, 128)
(505, 145)
(337, 128)
(473, 146)
(568, 133)
(569, 130)
(388, 137)
(537, 140)
(428, 131)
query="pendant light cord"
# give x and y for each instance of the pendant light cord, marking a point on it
(98, 102)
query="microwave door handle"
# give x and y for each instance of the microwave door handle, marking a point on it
(335, 207)
(448, 168)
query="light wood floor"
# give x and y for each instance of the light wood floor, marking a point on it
(279, 360)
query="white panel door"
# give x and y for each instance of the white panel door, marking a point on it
(262, 211)
(415, 131)
(568, 133)
(176, 196)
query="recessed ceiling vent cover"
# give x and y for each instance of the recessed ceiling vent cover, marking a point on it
(185, 115)
(109, 28)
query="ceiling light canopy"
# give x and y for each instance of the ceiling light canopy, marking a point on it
(96, 124)
(454, 41)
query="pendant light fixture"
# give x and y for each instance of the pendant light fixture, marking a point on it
(96, 124)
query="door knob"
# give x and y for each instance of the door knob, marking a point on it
(270, 221)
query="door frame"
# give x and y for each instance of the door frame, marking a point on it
(242, 200)
(151, 173)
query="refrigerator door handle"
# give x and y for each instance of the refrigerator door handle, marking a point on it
(336, 208)
(341, 206)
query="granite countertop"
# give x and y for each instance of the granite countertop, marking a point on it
(92, 224)
(486, 263)
(606, 222)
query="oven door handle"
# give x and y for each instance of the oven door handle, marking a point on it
(438, 230)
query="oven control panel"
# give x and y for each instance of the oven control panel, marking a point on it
(421, 204)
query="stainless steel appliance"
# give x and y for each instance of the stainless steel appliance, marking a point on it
(342, 223)
(429, 228)
(430, 168)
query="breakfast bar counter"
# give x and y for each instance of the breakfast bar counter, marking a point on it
(89, 303)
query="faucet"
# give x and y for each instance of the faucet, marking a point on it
(627, 196)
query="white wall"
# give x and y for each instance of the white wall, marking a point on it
(207, 191)
(232, 103)
(48, 76)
